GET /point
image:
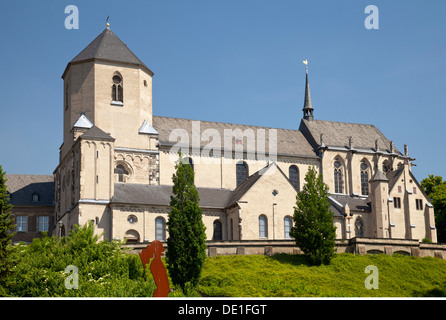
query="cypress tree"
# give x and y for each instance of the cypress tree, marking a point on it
(186, 246)
(313, 229)
(7, 227)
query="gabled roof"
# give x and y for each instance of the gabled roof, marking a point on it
(108, 47)
(393, 177)
(23, 186)
(243, 188)
(289, 142)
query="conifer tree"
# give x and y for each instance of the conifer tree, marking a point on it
(313, 228)
(186, 246)
(6, 230)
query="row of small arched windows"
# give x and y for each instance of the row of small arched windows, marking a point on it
(263, 226)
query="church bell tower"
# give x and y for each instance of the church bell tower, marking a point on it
(108, 136)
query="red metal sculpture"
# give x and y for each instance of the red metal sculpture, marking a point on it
(155, 250)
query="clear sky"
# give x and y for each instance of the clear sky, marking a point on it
(236, 61)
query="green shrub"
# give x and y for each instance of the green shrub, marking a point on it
(105, 270)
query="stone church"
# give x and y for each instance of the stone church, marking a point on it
(117, 160)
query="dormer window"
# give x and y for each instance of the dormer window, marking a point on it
(117, 90)
(35, 197)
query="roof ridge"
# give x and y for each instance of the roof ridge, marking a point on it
(231, 123)
(354, 123)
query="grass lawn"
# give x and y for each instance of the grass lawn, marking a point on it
(285, 275)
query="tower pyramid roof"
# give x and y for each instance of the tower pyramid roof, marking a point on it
(108, 47)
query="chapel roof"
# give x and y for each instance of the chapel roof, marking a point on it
(337, 134)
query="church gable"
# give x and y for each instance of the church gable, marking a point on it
(267, 207)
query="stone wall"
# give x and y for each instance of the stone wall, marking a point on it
(359, 246)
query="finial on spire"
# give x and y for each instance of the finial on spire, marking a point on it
(308, 107)
(107, 24)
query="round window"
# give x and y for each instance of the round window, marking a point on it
(132, 219)
(116, 79)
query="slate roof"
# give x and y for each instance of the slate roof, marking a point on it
(143, 194)
(355, 203)
(108, 47)
(97, 133)
(336, 134)
(393, 176)
(23, 186)
(243, 188)
(289, 142)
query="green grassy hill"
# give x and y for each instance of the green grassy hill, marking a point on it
(292, 276)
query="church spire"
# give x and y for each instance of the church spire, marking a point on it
(308, 107)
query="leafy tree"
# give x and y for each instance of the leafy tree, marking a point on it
(104, 270)
(186, 247)
(6, 231)
(435, 189)
(313, 228)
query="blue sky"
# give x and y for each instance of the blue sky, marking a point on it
(236, 61)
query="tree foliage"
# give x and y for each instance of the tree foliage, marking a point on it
(313, 228)
(105, 270)
(186, 246)
(435, 189)
(6, 231)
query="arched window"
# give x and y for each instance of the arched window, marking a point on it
(293, 172)
(241, 172)
(121, 172)
(131, 236)
(386, 166)
(263, 226)
(287, 224)
(364, 178)
(117, 89)
(338, 184)
(160, 229)
(359, 228)
(217, 230)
